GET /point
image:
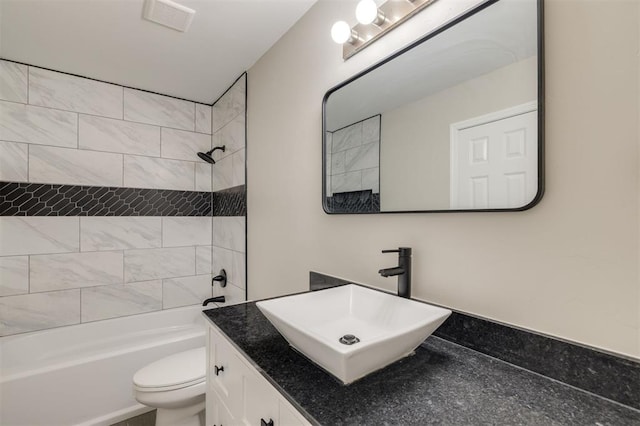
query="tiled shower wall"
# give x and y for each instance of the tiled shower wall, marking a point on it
(229, 200)
(90, 142)
(354, 160)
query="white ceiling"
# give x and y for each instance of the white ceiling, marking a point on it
(108, 40)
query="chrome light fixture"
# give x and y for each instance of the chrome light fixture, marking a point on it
(374, 22)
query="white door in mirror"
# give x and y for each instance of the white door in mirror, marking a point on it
(494, 160)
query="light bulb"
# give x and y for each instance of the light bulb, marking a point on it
(340, 32)
(366, 11)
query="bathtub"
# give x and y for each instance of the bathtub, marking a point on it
(81, 374)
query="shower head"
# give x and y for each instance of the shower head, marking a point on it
(206, 156)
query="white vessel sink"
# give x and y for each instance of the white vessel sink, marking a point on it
(388, 327)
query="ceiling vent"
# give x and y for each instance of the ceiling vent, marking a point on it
(168, 13)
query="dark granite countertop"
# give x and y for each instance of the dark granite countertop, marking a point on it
(443, 383)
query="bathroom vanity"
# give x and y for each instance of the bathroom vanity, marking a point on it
(237, 392)
(254, 377)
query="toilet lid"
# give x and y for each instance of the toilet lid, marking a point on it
(184, 368)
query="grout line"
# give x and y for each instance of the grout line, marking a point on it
(99, 116)
(28, 162)
(28, 274)
(106, 82)
(77, 131)
(28, 82)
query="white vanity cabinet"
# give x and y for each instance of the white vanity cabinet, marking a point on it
(238, 395)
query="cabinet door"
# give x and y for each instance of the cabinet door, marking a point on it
(217, 412)
(260, 401)
(225, 372)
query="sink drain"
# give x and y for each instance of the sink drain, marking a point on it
(349, 339)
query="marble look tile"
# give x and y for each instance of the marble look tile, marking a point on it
(106, 134)
(371, 179)
(35, 235)
(114, 301)
(223, 174)
(233, 295)
(204, 255)
(230, 105)
(31, 312)
(232, 136)
(158, 173)
(237, 168)
(74, 167)
(14, 275)
(74, 270)
(203, 118)
(222, 259)
(151, 108)
(151, 264)
(371, 130)
(348, 137)
(186, 231)
(203, 177)
(13, 82)
(238, 275)
(217, 140)
(328, 158)
(346, 182)
(14, 162)
(36, 125)
(62, 91)
(338, 162)
(183, 145)
(101, 233)
(363, 157)
(185, 291)
(229, 232)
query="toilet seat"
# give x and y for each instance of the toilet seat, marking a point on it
(176, 371)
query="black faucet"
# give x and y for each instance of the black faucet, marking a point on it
(403, 271)
(218, 299)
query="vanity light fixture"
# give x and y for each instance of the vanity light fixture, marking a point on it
(367, 12)
(374, 22)
(341, 33)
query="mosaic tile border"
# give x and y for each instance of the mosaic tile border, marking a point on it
(354, 202)
(33, 199)
(230, 202)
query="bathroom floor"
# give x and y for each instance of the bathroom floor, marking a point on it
(146, 419)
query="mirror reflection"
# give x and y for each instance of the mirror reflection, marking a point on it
(450, 124)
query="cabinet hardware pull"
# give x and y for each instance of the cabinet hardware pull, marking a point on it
(218, 369)
(263, 423)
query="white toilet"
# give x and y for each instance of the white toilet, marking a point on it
(176, 386)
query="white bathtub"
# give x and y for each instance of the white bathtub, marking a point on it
(81, 374)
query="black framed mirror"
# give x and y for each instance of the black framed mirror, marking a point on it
(452, 123)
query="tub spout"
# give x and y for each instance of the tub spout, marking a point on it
(218, 299)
